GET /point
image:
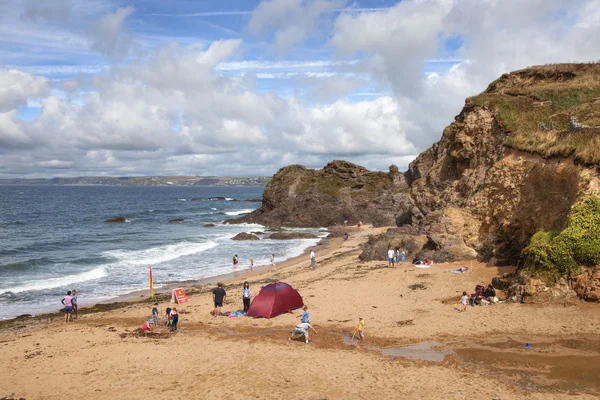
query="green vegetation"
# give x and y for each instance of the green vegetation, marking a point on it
(535, 104)
(553, 254)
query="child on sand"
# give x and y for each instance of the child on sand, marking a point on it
(246, 296)
(465, 301)
(74, 302)
(155, 314)
(67, 301)
(273, 266)
(360, 328)
(305, 314)
(146, 327)
(174, 320)
(167, 316)
(302, 329)
(252, 264)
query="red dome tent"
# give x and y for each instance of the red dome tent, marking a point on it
(274, 299)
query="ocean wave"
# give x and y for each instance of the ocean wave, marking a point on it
(182, 199)
(160, 254)
(229, 198)
(63, 281)
(239, 212)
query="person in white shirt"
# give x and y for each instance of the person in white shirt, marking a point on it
(312, 259)
(302, 329)
(391, 255)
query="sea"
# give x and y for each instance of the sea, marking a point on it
(54, 239)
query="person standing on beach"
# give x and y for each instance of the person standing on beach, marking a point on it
(390, 255)
(155, 314)
(219, 297)
(67, 301)
(174, 319)
(252, 264)
(235, 261)
(246, 296)
(167, 316)
(464, 300)
(74, 302)
(305, 314)
(312, 259)
(402, 256)
(273, 266)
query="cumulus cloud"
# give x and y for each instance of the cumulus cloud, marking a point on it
(16, 87)
(291, 20)
(107, 34)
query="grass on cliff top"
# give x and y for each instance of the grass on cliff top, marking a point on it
(332, 184)
(552, 255)
(535, 104)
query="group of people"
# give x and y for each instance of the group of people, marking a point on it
(481, 296)
(170, 320)
(236, 261)
(395, 257)
(70, 303)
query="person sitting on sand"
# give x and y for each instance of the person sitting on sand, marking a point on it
(174, 319)
(146, 326)
(490, 293)
(219, 297)
(67, 301)
(246, 296)
(302, 329)
(390, 257)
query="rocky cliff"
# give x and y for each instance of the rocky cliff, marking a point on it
(513, 162)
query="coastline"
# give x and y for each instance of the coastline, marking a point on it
(416, 341)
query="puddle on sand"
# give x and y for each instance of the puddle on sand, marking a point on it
(421, 351)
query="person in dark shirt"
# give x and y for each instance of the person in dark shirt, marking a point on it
(219, 297)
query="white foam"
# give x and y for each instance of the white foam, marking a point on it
(161, 254)
(228, 198)
(214, 209)
(182, 199)
(63, 281)
(239, 212)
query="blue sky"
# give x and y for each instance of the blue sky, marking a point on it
(103, 87)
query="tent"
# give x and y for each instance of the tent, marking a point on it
(275, 299)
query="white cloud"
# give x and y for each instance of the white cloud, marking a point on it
(17, 87)
(107, 34)
(292, 20)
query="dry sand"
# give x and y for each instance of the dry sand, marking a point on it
(481, 353)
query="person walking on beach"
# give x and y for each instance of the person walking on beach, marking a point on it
(359, 332)
(305, 314)
(74, 302)
(246, 296)
(155, 314)
(174, 319)
(235, 261)
(312, 259)
(273, 266)
(390, 257)
(67, 301)
(219, 297)
(302, 329)
(252, 264)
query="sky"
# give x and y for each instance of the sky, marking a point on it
(244, 87)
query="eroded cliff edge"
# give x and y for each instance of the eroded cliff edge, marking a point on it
(513, 162)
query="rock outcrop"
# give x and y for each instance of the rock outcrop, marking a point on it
(176, 220)
(245, 236)
(118, 220)
(507, 167)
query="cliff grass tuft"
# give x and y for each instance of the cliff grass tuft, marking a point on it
(534, 105)
(552, 254)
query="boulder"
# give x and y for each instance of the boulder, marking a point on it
(253, 200)
(177, 220)
(245, 236)
(587, 284)
(119, 220)
(209, 225)
(292, 235)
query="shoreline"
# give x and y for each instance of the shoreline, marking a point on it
(142, 296)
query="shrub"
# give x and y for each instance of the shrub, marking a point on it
(556, 255)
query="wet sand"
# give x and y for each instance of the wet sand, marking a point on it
(416, 344)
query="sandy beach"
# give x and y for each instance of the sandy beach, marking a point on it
(417, 345)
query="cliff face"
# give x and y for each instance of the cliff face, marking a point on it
(513, 162)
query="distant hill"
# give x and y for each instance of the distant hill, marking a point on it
(144, 181)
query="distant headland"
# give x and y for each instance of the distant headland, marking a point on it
(143, 181)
